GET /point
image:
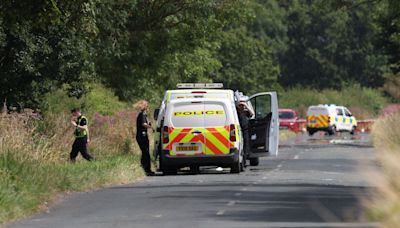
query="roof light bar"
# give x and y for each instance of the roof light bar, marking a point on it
(200, 85)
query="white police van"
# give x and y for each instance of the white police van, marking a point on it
(330, 118)
(198, 125)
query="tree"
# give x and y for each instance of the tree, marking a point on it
(329, 47)
(44, 45)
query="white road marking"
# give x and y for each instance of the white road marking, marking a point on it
(238, 194)
(296, 157)
(328, 179)
(221, 212)
(157, 216)
(279, 166)
(264, 178)
(244, 189)
(231, 203)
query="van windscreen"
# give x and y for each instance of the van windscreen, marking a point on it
(198, 114)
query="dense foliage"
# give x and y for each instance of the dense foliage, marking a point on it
(139, 48)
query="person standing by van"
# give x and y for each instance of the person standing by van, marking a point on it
(142, 124)
(244, 115)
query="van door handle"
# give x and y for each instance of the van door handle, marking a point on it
(196, 132)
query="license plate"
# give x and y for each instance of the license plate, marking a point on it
(186, 148)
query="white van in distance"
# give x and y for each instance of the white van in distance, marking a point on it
(330, 118)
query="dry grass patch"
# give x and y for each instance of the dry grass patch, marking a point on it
(34, 156)
(386, 137)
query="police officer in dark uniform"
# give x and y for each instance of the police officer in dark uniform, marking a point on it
(244, 115)
(142, 124)
(81, 136)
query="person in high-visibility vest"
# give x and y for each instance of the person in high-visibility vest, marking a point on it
(81, 133)
(142, 124)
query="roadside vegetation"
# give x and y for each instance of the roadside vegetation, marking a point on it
(102, 56)
(34, 152)
(386, 136)
(284, 135)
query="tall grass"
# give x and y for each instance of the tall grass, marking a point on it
(34, 156)
(386, 138)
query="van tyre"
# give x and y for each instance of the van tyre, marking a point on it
(169, 170)
(165, 169)
(254, 161)
(242, 165)
(332, 130)
(310, 131)
(235, 168)
(194, 169)
(353, 130)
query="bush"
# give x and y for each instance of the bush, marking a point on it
(98, 99)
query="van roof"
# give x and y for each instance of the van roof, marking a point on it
(200, 90)
(205, 99)
(226, 92)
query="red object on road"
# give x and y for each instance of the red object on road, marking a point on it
(289, 119)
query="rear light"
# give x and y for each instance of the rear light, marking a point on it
(199, 92)
(232, 133)
(165, 134)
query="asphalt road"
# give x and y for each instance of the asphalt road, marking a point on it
(314, 182)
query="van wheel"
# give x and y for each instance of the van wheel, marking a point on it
(242, 165)
(332, 130)
(353, 130)
(169, 170)
(254, 161)
(195, 169)
(310, 132)
(235, 168)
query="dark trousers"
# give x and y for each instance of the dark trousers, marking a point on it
(80, 145)
(246, 143)
(143, 142)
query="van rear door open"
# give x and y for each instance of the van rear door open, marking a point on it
(264, 127)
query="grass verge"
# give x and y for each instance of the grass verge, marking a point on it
(27, 186)
(34, 165)
(284, 135)
(386, 137)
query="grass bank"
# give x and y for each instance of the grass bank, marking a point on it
(285, 134)
(29, 186)
(34, 165)
(386, 138)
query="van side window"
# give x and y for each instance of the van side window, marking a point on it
(262, 107)
(339, 112)
(347, 112)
